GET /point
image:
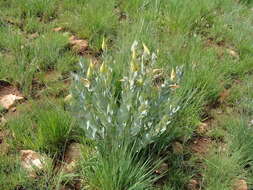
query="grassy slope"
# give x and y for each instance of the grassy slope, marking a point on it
(211, 39)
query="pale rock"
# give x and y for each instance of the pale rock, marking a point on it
(240, 185)
(9, 100)
(202, 128)
(58, 29)
(233, 53)
(32, 161)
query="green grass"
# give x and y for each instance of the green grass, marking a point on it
(233, 162)
(197, 36)
(48, 130)
(117, 169)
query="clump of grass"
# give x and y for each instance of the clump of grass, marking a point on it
(117, 169)
(47, 130)
(241, 96)
(45, 9)
(11, 175)
(47, 49)
(89, 25)
(234, 160)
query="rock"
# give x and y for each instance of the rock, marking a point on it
(9, 100)
(233, 53)
(240, 185)
(177, 148)
(58, 29)
(78, 45)
(72, 156)
(32, 161)
(192, 185)
(202, 128)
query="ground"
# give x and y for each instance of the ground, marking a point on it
(53, 53)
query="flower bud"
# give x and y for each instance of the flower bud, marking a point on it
(146, 50)
(104, 45)
(134, 54)
(173, 74)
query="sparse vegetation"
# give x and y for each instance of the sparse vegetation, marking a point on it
(174, 112)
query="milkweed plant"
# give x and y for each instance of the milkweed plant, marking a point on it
(137, 107)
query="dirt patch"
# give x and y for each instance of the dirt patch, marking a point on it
(222, 48)
(201, 145)
(80, 46)
(6, 88)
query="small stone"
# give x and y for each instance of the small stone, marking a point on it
(9, 100)
(251, 123)
(58, 29)
(32, 161)
(177, 148)
(192, 185)
(233, 53)
(202, 128)
(240, 185)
